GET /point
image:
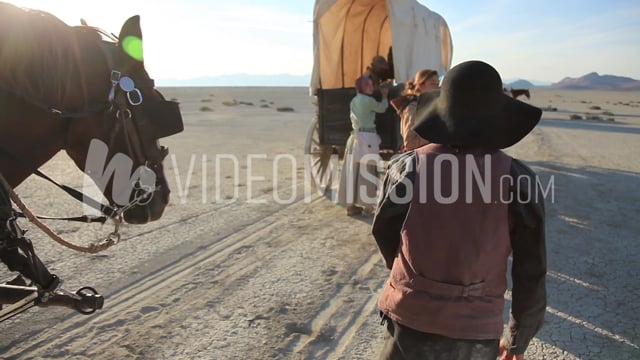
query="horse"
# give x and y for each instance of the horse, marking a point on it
(81, 90)
(519, 92)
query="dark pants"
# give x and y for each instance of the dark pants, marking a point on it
(403, 343)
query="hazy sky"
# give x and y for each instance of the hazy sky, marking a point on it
(542, 40)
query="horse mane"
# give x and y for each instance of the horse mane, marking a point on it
(40, 55)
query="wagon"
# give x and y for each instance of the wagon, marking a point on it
(347, 34)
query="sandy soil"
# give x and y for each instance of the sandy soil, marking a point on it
(248, 262)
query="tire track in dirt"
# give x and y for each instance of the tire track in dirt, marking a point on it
(354, 325)
(334, 326)
(136, 300)
(205, 282)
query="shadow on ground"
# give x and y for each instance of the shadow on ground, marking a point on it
(595, 125)
(593, 253)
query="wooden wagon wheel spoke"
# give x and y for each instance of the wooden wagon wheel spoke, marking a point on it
(324, 171)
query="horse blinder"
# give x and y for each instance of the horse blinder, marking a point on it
(164, 119)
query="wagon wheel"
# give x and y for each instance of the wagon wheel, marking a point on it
(322, 162)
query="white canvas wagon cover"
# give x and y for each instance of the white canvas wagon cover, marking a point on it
(347, 34)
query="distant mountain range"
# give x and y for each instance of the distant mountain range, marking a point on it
(240, 80)
(520, 84)
(529, 83)
(591, 81)
(594, 81)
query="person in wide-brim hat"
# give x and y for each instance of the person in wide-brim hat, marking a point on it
(379, 70)
(473, 111)
(451, 217)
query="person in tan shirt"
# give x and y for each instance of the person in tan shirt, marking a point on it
(406, 105)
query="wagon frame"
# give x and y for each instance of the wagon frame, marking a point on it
(347, 35)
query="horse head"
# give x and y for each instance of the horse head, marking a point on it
(515, 93)
(64, 87)
(118, 146)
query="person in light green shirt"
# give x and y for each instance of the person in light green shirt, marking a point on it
(358, 182)
(364, 108)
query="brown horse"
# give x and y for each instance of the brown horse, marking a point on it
(519, 92)
(74, 89)
(63, 87)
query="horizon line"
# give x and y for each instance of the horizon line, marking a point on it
(308, 76)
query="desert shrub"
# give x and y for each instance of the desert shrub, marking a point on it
(205, 100)
(230, 103)
(595, 107)
(611, 119)
(265, 106)
(575, 117)
(285, 109)
(245, 103)
(590, 116)
(263, 100)
(205, 108)
(608, 113)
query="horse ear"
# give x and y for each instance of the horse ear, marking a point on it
(131, 38)
(131, 27)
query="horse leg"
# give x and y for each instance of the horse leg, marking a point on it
(17, 251)
(27, 263)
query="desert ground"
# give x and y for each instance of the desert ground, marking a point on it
(248, 262)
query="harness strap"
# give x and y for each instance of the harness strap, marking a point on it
(83, 218)
(93, 108)
(80, 196)
(107, 210)
(111, 240)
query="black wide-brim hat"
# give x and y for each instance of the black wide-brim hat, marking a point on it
(472, 111)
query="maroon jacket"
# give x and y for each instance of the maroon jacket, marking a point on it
(447, 239)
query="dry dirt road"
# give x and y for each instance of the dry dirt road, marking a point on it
(248, 263)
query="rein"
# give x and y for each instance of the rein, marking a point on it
(112, 239)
